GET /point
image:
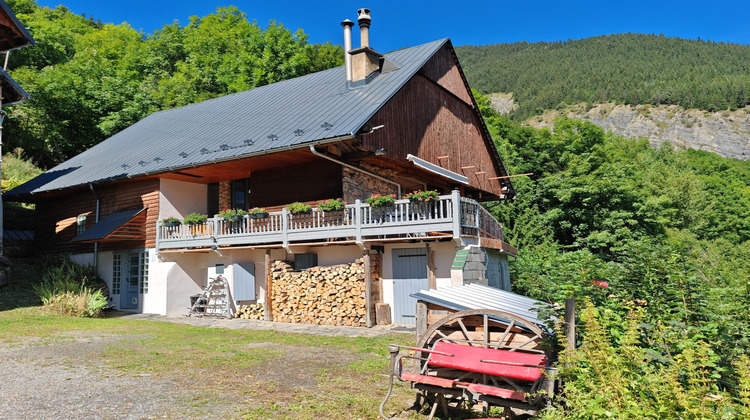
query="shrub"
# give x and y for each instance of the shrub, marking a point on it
(378, 201)
(71, 289)
(195, 219)
(298, 208)
(331, 205)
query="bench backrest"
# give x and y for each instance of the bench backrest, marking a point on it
(516, 365)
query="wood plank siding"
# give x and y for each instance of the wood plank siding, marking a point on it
(432, 116)
(318, 180)
(57, 218)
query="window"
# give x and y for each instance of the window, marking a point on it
(116, 273)
(239, 194)
(143, 273)
(212, 199)
(81, 224)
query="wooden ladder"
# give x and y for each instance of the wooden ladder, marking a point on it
(214, 300)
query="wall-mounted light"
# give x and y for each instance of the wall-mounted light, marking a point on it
(381, 152)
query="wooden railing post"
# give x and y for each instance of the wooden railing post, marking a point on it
(358, 220)
(456, 198)
(285, 227)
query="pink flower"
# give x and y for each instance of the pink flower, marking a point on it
(601, 283)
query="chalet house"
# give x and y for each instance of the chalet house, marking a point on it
(382, 124)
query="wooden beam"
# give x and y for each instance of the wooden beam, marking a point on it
(421, 319)
(443, 157)
(268, 315)
(511, 176)
(431, 280)
(368, 289)
(469, 167)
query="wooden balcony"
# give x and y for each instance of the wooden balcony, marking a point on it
(449, 216)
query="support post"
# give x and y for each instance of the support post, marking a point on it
(421, 319)
(456, 210)
(368, 289)
(268, 310)
(431, 279)
(570, 323)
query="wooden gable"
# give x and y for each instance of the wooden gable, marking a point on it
(434, 118)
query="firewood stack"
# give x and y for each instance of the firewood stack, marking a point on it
(333, 295)
(255, 311)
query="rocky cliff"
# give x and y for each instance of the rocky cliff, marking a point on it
(726, 133)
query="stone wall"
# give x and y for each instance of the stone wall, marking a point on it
(225, 195)
(333, 295)
(358, 185)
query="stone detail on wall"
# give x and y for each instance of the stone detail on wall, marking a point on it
(476, 267)
(358, 185)
(225, 195)
(331, 295)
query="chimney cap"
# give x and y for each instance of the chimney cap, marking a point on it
(364, 16)
(347, 22)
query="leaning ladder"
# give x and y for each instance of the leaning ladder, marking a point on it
(214, 300)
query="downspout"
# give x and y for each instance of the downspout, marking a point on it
(96, 220)
(324, 156)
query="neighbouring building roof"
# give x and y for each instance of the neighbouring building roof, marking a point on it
(479, 296)
(12, 32)
(293, 113)
(12, 92)
(18, 235)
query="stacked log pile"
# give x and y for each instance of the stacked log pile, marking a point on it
(333, 295)
(256, 311)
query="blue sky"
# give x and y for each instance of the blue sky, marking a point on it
(398, 24)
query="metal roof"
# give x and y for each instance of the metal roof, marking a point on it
(293, 113)
(107, 225)
(18, 235)
(479, 296)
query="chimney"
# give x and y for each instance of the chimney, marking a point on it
(366, 63)
(347, 24)
(364, 21)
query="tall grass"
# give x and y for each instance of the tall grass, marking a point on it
(71, 289)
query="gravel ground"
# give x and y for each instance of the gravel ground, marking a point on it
(56, 381)
(70, 376)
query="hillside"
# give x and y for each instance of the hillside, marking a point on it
(625, 69)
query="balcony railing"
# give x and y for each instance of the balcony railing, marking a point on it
(451, 215)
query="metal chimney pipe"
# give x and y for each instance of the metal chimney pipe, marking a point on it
(364, 26)
(347, 24)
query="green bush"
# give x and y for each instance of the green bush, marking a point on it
(71, 289)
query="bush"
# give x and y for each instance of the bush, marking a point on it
(71, 289)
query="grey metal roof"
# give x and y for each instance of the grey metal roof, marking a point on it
(292, 113)
(107, 225)
(479, 296)
(18, 235)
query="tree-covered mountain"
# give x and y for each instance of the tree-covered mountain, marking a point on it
(624, 68)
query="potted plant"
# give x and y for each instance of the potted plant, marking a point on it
(257, 213)
(171, 222)
(422, 196)
(331, 205)
(193, 219)
(232, 215)
(379, 201)
(299, 208)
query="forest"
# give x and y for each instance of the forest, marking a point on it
(622, 68)
(652, 242)
(88, 81)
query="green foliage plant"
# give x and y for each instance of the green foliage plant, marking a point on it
(331, 205)
(257, 210)
(378, 201)
(422, 196)
(171, 221)
(195, 219)
(298, 208)
(232, 214)
(70, 289)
